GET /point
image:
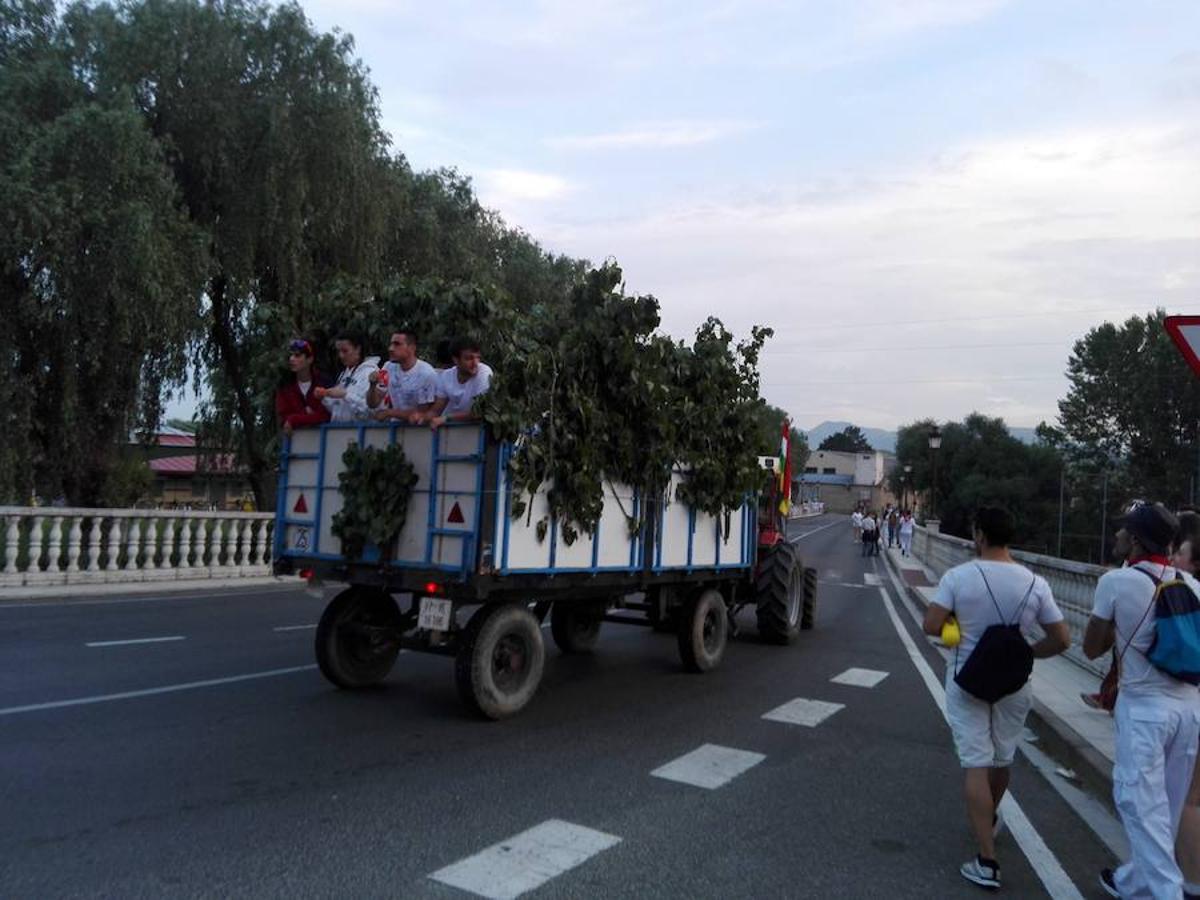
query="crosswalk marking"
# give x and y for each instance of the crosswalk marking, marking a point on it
(872, 580)
(800, 711)
(526, 861)
(709, 766)
(865, 678)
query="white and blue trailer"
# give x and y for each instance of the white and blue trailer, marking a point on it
(462, 548)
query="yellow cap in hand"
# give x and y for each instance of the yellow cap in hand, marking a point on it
(950, 633)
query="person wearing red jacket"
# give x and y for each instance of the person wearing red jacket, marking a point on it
(296, 403)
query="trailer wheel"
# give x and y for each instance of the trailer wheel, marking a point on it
(499, 665)
(356, 641)
(575, 629)
(781, 594)
(808, 615)
(703, 631)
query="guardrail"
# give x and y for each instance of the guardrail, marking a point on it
(63, 545)
(1072, 583)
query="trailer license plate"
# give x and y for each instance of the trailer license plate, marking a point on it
(435, 614)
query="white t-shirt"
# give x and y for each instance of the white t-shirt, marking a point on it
(906, 524)
(1123, 596)
(304, 386)
(857, 519)
(354, 405)
(962, 591)
(868, 523)
(462, 394)
(411, 389)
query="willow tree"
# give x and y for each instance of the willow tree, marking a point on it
(99, 264)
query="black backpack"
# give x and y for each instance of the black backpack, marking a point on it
(1002, 661)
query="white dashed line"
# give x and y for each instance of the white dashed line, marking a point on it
(864, 678)
(294, 627)
(526, 861)
(150, 692)
(709, 766)
(154, 640)
(872, 580)
(800, 711)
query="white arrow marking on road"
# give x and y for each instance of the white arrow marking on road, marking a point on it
(526, 861)
(155, 640)
(709, 766)
(149, 692)
(1055, 878)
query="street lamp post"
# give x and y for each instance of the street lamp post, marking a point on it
(907, 485)
(935, 444)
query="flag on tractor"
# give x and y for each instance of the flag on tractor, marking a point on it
(785, 469)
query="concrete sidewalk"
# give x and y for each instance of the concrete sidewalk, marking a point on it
(1057, 682)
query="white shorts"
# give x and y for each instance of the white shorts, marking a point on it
(985, 736)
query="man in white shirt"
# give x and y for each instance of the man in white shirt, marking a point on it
(867, 532)
(856, 520)
(1157, 716)
(457, 387)
(411, 382)
(995, 590)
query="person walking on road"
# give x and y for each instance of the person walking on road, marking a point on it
(893, 527)
(906, 527)
(856, 524)
(867, 531)
(1157, 716)
(994, 600)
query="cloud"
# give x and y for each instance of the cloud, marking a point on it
(504, 188)
(654, 136)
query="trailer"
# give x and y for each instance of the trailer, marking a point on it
(468, 579)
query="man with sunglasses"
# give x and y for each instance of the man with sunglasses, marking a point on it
(1157, 716)
(296, 403)
(409, 386)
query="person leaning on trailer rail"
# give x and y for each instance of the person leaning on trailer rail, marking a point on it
(347, 400)
(457, 387)
(406, 386)
(296, 402)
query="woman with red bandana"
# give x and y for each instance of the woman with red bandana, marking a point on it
(296, 403)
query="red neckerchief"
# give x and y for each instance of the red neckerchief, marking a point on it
(1150, 557)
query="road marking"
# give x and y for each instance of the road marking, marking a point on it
(845, 584)
(814, 531)
(800, 711)
(1040, 856)
(865, 678)
(149, 692)
(220, 592)
(872, 580)
(526, 861)
(294, 627)
(709, 766)
(155, 640)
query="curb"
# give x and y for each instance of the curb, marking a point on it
(1064, 735)
(205, 585)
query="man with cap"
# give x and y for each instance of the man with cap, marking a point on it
(1157, 716)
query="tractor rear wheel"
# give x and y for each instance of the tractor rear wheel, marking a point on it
(780, 590)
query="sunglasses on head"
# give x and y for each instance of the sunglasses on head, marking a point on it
(299, 346)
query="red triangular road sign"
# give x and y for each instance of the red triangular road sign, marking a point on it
(456, 515)
(1185, 332)
(301, 505)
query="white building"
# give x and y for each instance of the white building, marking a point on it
(844, 481)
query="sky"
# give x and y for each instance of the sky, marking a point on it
(929, 201)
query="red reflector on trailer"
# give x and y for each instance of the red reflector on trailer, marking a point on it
(433, 587)
(307, 574)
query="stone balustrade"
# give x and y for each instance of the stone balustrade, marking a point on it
(1072, 583)
(42, 546)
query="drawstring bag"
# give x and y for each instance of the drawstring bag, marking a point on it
(1175, 650)
(1002, 661)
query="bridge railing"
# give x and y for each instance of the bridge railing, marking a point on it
(1072, 583)
(42, 546)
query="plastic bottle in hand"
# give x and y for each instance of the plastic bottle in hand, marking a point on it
(382, 380)
(950, 632)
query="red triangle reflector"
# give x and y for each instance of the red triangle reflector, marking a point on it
(301, 505)
(456, 515)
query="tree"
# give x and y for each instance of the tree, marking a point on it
(99, 266)
(849, 440)
(1134, 399)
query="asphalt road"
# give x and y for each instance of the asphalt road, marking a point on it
(279, 785)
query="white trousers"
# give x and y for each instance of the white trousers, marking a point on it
(1156, 754)
(906, 543)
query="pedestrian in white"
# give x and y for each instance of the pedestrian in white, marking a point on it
(1157, 716)
(458, 387)
(907, 526)
(995, 590)
(856, 522)
(347, 399)
(868, 533)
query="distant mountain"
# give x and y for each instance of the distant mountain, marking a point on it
(882, 439)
